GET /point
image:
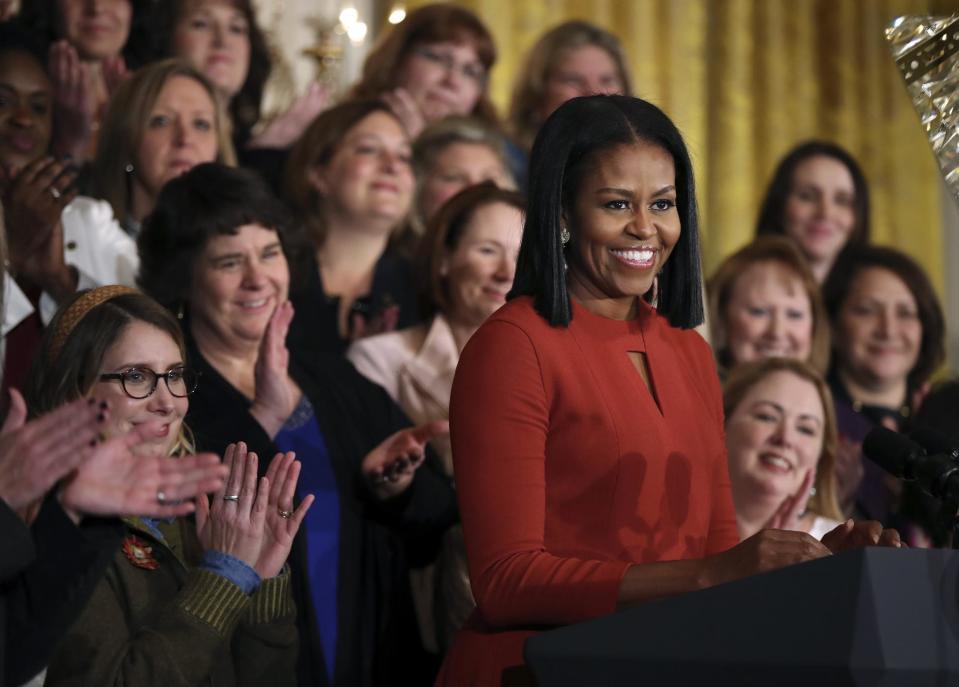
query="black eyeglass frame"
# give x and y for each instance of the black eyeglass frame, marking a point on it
(182, 369)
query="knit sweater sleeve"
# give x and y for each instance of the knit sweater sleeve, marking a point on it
(266, 642)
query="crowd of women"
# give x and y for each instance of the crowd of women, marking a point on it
(369, 393)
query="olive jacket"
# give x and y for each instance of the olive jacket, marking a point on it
(157, 619)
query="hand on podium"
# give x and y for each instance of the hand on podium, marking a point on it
(764, 551)
(855, 535)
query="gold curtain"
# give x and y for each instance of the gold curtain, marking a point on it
(745, 80)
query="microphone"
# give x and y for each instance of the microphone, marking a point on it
(935, 442)
(937, 474)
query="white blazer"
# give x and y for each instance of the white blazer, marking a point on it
(95, 244)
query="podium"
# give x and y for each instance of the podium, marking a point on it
(874, 617)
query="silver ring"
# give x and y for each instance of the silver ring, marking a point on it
(161, 497)
(285, 514)
(55, 193)
(231, 497)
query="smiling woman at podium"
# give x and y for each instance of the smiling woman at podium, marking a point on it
(587, 423)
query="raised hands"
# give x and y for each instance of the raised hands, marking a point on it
(788, 516)
(253, 520)
(389, 468)
(275, 396)
(382, 322)
(114, 481)
(96, 478)
(76, 100)
(406, 110)
(78, 91)
(33, 200)
(282, 520)
(233, 524)
(855, 535)
(36, 455)
(283, 130)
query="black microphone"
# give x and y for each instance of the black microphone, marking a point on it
(937, 474)
(935, 442)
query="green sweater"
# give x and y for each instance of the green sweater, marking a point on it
(176, 625)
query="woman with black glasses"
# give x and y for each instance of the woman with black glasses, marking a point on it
(183, 602)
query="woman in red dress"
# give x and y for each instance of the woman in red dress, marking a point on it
(587, 423)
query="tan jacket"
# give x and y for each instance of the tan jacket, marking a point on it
(416, 367)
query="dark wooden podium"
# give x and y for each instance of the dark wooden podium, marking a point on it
(873, 617)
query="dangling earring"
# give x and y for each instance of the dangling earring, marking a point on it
(179, 311)
(563, 234)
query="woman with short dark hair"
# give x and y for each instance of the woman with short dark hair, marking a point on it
(217, 235)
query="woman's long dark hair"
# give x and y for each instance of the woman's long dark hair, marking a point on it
(562, 153)
(772, 214)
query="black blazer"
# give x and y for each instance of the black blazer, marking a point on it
(47, 574)
(375, 624)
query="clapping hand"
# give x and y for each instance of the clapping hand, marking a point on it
(36, 455)
(384, 321)
(282, 131)
(96, 478)
(406, 110)
(389, 468)
(282, 520)
(789, 513)
(76, 100)
(856, 535)
(234, 523)
(33, 200)
(274, 398)
(114, 481)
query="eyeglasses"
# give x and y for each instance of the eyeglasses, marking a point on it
(141, 382)
(473, 71)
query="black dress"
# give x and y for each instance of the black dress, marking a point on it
(377, 637)
(316, 325)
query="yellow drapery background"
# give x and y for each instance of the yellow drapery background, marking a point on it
(745, 80)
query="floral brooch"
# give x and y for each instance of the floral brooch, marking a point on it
(139, 553)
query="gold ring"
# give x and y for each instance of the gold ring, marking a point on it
(285, 514)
